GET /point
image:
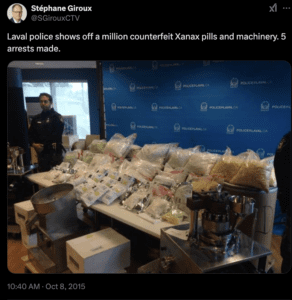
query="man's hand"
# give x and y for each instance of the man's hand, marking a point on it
(54, 146)
(38, 147)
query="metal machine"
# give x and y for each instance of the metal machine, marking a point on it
(212, 242)
(15, 158)
(55, 221)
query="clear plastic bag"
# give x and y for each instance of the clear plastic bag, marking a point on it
(52, 174)
(97, 146)
(119, 146)
(179, 158)
(127, 181)
(83, 188)
(182, 193)
(134, 174)
(273, 179)
(158, 190)
(124, 166)
(249, 154)
(201, 163)
(142, 170)
(87, 156)
(64, 166)
(206, 183)
(134, 199)
(76, 181)
(62, 178)
(117, 136)
(98, 160)
(147, 170)
(175, 216)
(154, 153)
(109, 182)
(192, 176)
(178, 175)
(164, 180)
(113, 174)
(73, 156)
(255, 174)
(158, 207)
(114, 193)
(134, 150)
(97, 176)
(228, 165)
(117, 162)
(80, 166)
(94, 194)
(172, 149)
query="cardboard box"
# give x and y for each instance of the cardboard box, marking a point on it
(23, 211)
(89, 138)
(69, 140)
(104, 251)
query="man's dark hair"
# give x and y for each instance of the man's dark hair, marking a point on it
(47, 95)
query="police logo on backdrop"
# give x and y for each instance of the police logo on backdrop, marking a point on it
(132, 87)
(111, 68)
(206, 63)
(154, 107)
(177, 85)
(230, 129)
(265, 106)
(204, 106)
(234, 83)
(114, 107)
(176, 127)
(261, 152)
(133, 125)
(154, 65)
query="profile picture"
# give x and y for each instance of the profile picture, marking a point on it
(16, 13)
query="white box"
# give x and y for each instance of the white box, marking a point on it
(23, 211)
(104, 251)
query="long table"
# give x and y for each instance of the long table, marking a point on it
(114, 211)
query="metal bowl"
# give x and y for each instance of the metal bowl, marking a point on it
(53, 198)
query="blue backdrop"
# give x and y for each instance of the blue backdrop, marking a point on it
(240, 104)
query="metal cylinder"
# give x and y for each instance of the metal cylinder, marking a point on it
(265, 204)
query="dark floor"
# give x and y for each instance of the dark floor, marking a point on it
(144, 248)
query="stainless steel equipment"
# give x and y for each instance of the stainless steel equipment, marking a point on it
(55, 221)
(185, 257)
(214, 240)
(222, 214)
(15, 158)
(261, 228)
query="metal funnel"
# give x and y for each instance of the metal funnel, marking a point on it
(53, 198)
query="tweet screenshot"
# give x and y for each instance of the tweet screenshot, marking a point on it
(146, 141)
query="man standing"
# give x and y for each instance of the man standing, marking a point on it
(45, 134)
(282, 171)
(16, 13)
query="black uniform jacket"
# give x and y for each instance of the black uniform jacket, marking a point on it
(47, 128)
(283, 172)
